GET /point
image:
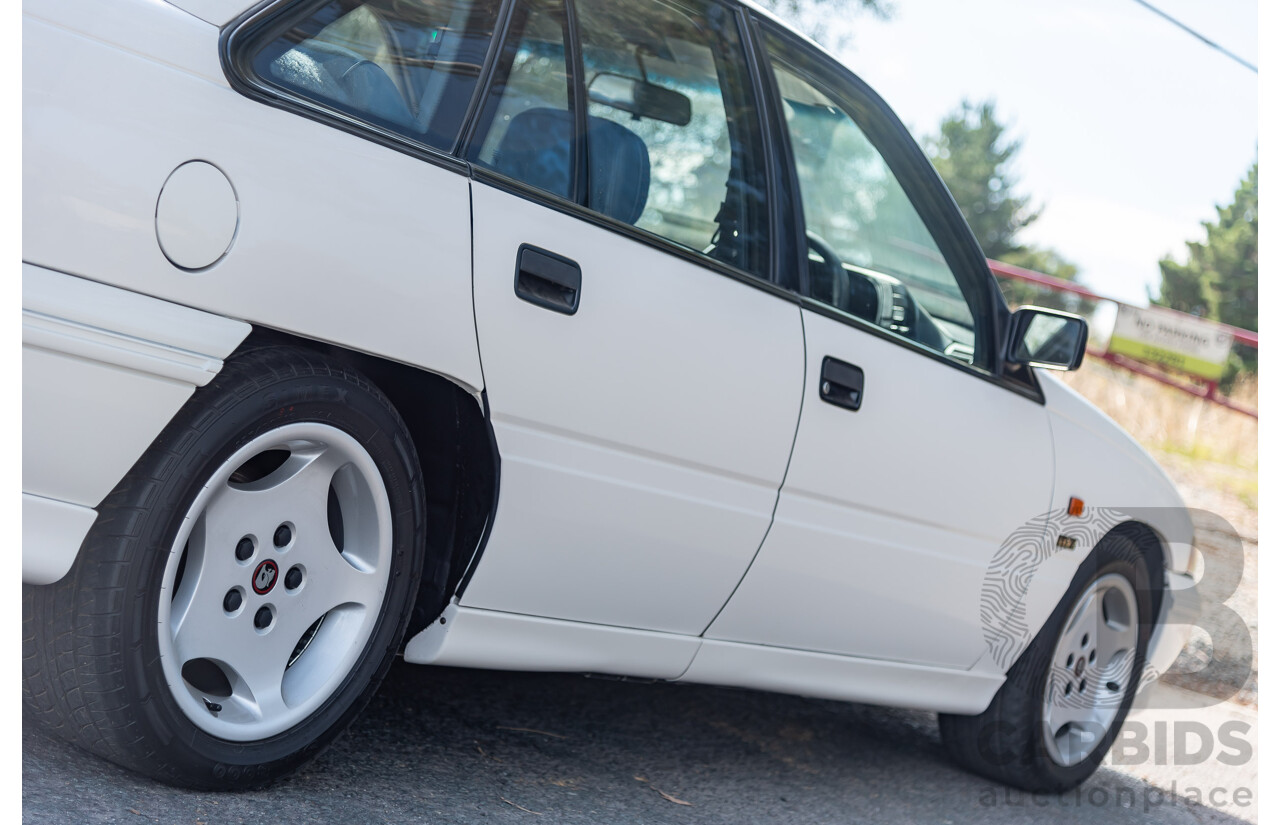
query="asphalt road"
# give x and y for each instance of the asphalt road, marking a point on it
(460, 746)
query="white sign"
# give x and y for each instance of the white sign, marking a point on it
(1172, 339)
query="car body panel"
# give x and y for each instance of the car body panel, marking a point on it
(217, 12)
(103, 371)
(847, 678)
(1097, 461)
(891, 512)
(643, 438)
(469, 637)
(52, 532)
(339, 240)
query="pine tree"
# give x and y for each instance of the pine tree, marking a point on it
(1219, 281)
(975, 157)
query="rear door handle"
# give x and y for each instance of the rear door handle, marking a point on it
(548, 280)
(841, 384)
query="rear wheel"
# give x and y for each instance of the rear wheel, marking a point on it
(244, 588)
(1064, 700)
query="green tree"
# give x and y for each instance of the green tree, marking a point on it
(1219, 281)
(974, 155)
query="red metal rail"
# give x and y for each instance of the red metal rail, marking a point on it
(1245, 336)
(1207, 391)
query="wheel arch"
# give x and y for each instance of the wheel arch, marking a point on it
(1154, 551)
(456, 449)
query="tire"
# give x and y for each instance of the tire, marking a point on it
(261, 557)
(1041, 732)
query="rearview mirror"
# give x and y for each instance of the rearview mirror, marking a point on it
(1047, 338)
(640, 98)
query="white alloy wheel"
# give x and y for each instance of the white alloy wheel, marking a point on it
(1090, 669)
(276, 579)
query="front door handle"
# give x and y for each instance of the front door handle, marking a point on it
(841, 384)
(548, 280)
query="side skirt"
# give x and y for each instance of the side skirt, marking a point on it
(470, 637)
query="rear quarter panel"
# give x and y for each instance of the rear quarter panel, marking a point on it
(339, 239)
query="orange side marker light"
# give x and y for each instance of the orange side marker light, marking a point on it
(1075, 506)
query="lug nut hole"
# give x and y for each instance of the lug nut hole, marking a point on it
(284, 534)
(233, 601)
(244, 548)
(293, 579)
(262, 619)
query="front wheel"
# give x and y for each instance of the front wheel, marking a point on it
(1064, 700)
(244, 588)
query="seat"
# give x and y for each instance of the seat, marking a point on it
(535, 149)
(336, 74)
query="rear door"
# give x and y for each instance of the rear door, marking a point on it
(913, 461)
(644, 376)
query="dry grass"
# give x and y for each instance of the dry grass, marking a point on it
(1167, 420)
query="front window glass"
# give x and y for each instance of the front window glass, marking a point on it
(870, 253)
(409, 66)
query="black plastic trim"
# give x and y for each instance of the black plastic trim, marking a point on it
(580, 184)
(791, 217)
(781, 235)
(842, 383)
(548, 280)
(470, 120)
(493, 508)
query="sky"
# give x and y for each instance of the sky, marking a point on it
(1132, 130)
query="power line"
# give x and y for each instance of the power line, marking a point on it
(1198, 36)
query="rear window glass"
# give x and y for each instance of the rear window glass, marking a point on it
(410, 66)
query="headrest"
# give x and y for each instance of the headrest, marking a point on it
(535, 149)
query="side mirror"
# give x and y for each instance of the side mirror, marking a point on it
(1047, 338)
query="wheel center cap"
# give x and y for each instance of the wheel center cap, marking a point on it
(264, 577)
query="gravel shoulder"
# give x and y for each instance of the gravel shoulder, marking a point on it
(1218, 493)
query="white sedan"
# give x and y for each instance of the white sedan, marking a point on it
(582, 335)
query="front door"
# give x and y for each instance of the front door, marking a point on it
(912, 463)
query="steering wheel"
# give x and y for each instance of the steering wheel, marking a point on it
(838, 295)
